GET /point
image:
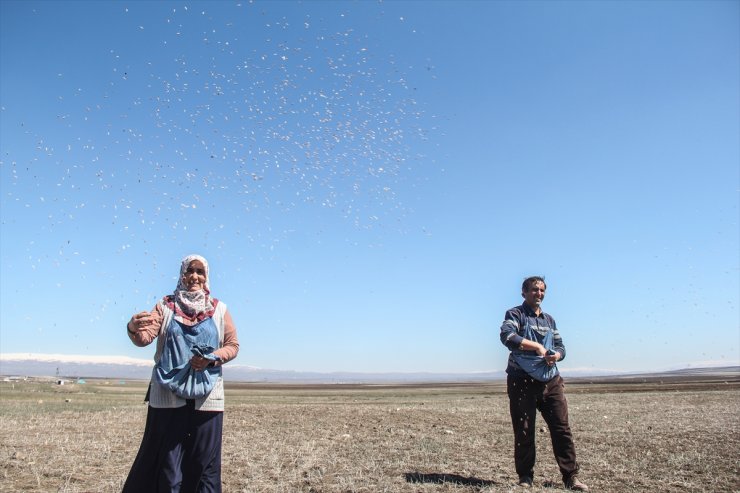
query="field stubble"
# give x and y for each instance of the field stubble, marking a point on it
(379, 439)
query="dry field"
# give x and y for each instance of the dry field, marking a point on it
(653, 436)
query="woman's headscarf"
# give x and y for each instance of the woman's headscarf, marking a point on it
(191, 307)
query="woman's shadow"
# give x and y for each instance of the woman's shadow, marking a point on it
(438, 478)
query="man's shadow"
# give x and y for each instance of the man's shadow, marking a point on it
(437, 478)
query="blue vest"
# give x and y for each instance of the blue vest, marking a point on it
(183, 342)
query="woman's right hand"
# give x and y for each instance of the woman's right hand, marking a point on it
(140, 321)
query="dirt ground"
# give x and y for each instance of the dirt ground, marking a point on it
(651, 436)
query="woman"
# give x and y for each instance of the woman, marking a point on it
(181, 448)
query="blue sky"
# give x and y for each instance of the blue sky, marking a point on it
(371, 181)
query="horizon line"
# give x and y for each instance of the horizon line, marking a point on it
(130, 361)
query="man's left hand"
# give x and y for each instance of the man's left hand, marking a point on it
(551, 359)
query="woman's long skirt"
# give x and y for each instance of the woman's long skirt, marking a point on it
(180, 452)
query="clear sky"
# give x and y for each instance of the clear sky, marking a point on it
(371, 181)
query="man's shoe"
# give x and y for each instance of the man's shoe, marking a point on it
(525, 482)
(573, 484)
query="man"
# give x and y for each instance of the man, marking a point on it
(534, 383)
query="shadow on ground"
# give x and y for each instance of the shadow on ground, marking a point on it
(437, 478)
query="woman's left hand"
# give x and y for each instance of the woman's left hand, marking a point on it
(199, 363)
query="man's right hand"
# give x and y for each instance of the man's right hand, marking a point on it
(528, 345)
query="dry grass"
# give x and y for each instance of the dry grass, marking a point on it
(379, 439)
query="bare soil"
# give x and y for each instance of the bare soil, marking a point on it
(663, 436)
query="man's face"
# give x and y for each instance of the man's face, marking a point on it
(534, 296)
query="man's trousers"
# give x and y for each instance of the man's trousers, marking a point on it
(526, 397)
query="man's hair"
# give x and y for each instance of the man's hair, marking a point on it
(529, 282)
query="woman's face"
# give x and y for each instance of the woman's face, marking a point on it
(194, 277)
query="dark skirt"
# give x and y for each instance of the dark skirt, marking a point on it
(180, 452)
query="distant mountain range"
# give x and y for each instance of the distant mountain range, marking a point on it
(71, 366)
